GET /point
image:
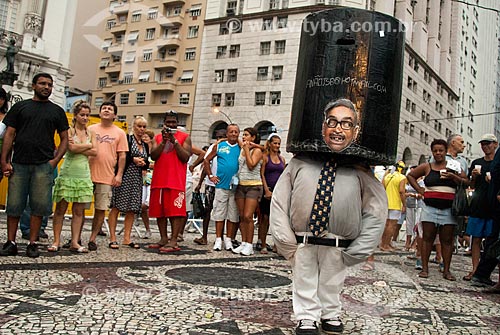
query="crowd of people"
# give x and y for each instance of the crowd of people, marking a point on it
(423, 198)
(135, 175)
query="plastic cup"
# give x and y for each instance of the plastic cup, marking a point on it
(488, 174)
(442, 171)
(478, 168)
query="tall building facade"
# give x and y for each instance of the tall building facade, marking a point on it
(149, 59)
(249, 58)
(42, 32)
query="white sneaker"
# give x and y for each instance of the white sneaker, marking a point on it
(247, 250)
(147, 235)
(218, 244)
(240, 248)
(228, 245)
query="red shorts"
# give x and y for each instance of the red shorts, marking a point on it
(165, 202)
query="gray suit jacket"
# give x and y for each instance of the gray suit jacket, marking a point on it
(359, 208)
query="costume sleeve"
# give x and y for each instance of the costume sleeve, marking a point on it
(279, 218)
(374, 213)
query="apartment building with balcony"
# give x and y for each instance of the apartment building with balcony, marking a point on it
(149, 59)
(254, 86)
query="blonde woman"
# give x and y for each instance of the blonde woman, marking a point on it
(74, 183)
(127, 198)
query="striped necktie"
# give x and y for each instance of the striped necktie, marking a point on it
(320, 212)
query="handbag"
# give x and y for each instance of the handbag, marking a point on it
(460, 205)
(198, 208)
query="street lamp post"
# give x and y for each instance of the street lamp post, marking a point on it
(217, 110)
(130, 90)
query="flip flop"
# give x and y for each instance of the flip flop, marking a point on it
(155, 246)
(368, 266)
(423, 274)
(114, 245)
(133, 245)
(468, 277)
(200, 241)
(54, 248)
(449, 276)
(79, 250)
(168, 249)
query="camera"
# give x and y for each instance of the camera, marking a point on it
(169, 130)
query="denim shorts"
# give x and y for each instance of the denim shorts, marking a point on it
(34, 181)
(439, 217)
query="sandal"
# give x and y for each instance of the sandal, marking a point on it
(449, 276)
(423, 274)
(155, 246)
(133, 245)
(468, 277)
(264, 251)
(368, 266)
(54, 248)
(200, 241)
(168, 249)
(114, 245)
(258, 246)
(79, 250)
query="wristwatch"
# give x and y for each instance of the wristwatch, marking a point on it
(211, 176)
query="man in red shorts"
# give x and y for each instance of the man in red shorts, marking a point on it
(171, 152)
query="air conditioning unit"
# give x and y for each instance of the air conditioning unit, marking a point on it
(120, 81)
(218, 79)
(277, 76)
(320, 2)
(230, 12)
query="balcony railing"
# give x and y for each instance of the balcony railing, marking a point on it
(6, 36)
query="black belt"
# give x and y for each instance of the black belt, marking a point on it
(332, 242)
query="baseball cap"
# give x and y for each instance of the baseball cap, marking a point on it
(488, 138)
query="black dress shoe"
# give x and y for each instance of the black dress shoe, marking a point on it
(32, 250)
(481, 282)
(9, 249)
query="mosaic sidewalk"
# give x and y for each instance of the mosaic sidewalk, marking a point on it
(197, 291)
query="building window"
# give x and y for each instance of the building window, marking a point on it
(223, 29)
(408, 105)
(147, 55)
(190, 54)
(104, 63)
(234, 51)
(101, 82)
(219, 76)
(407, 127)
(282, 21)
(277, 72)
(216, 100)
(143, 76)
(140, 98)
(195, 11)
(221, 52)
(232, 75)
(193, 31)
(150, 34)
(110, 24)
(274, 4)
(279, 47)
(267, 23)
(187, 76)
(413, 108)
(98, 101)
(128, 77)
(172, 52)
(153, 13)
(130, 57)
(265, 48)
(260, 98)
(262, 73)
(184, 99)
(275, 98)
(412, 130)
(136, 16)
(124, 98)
(133, 36)
(229, 100)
